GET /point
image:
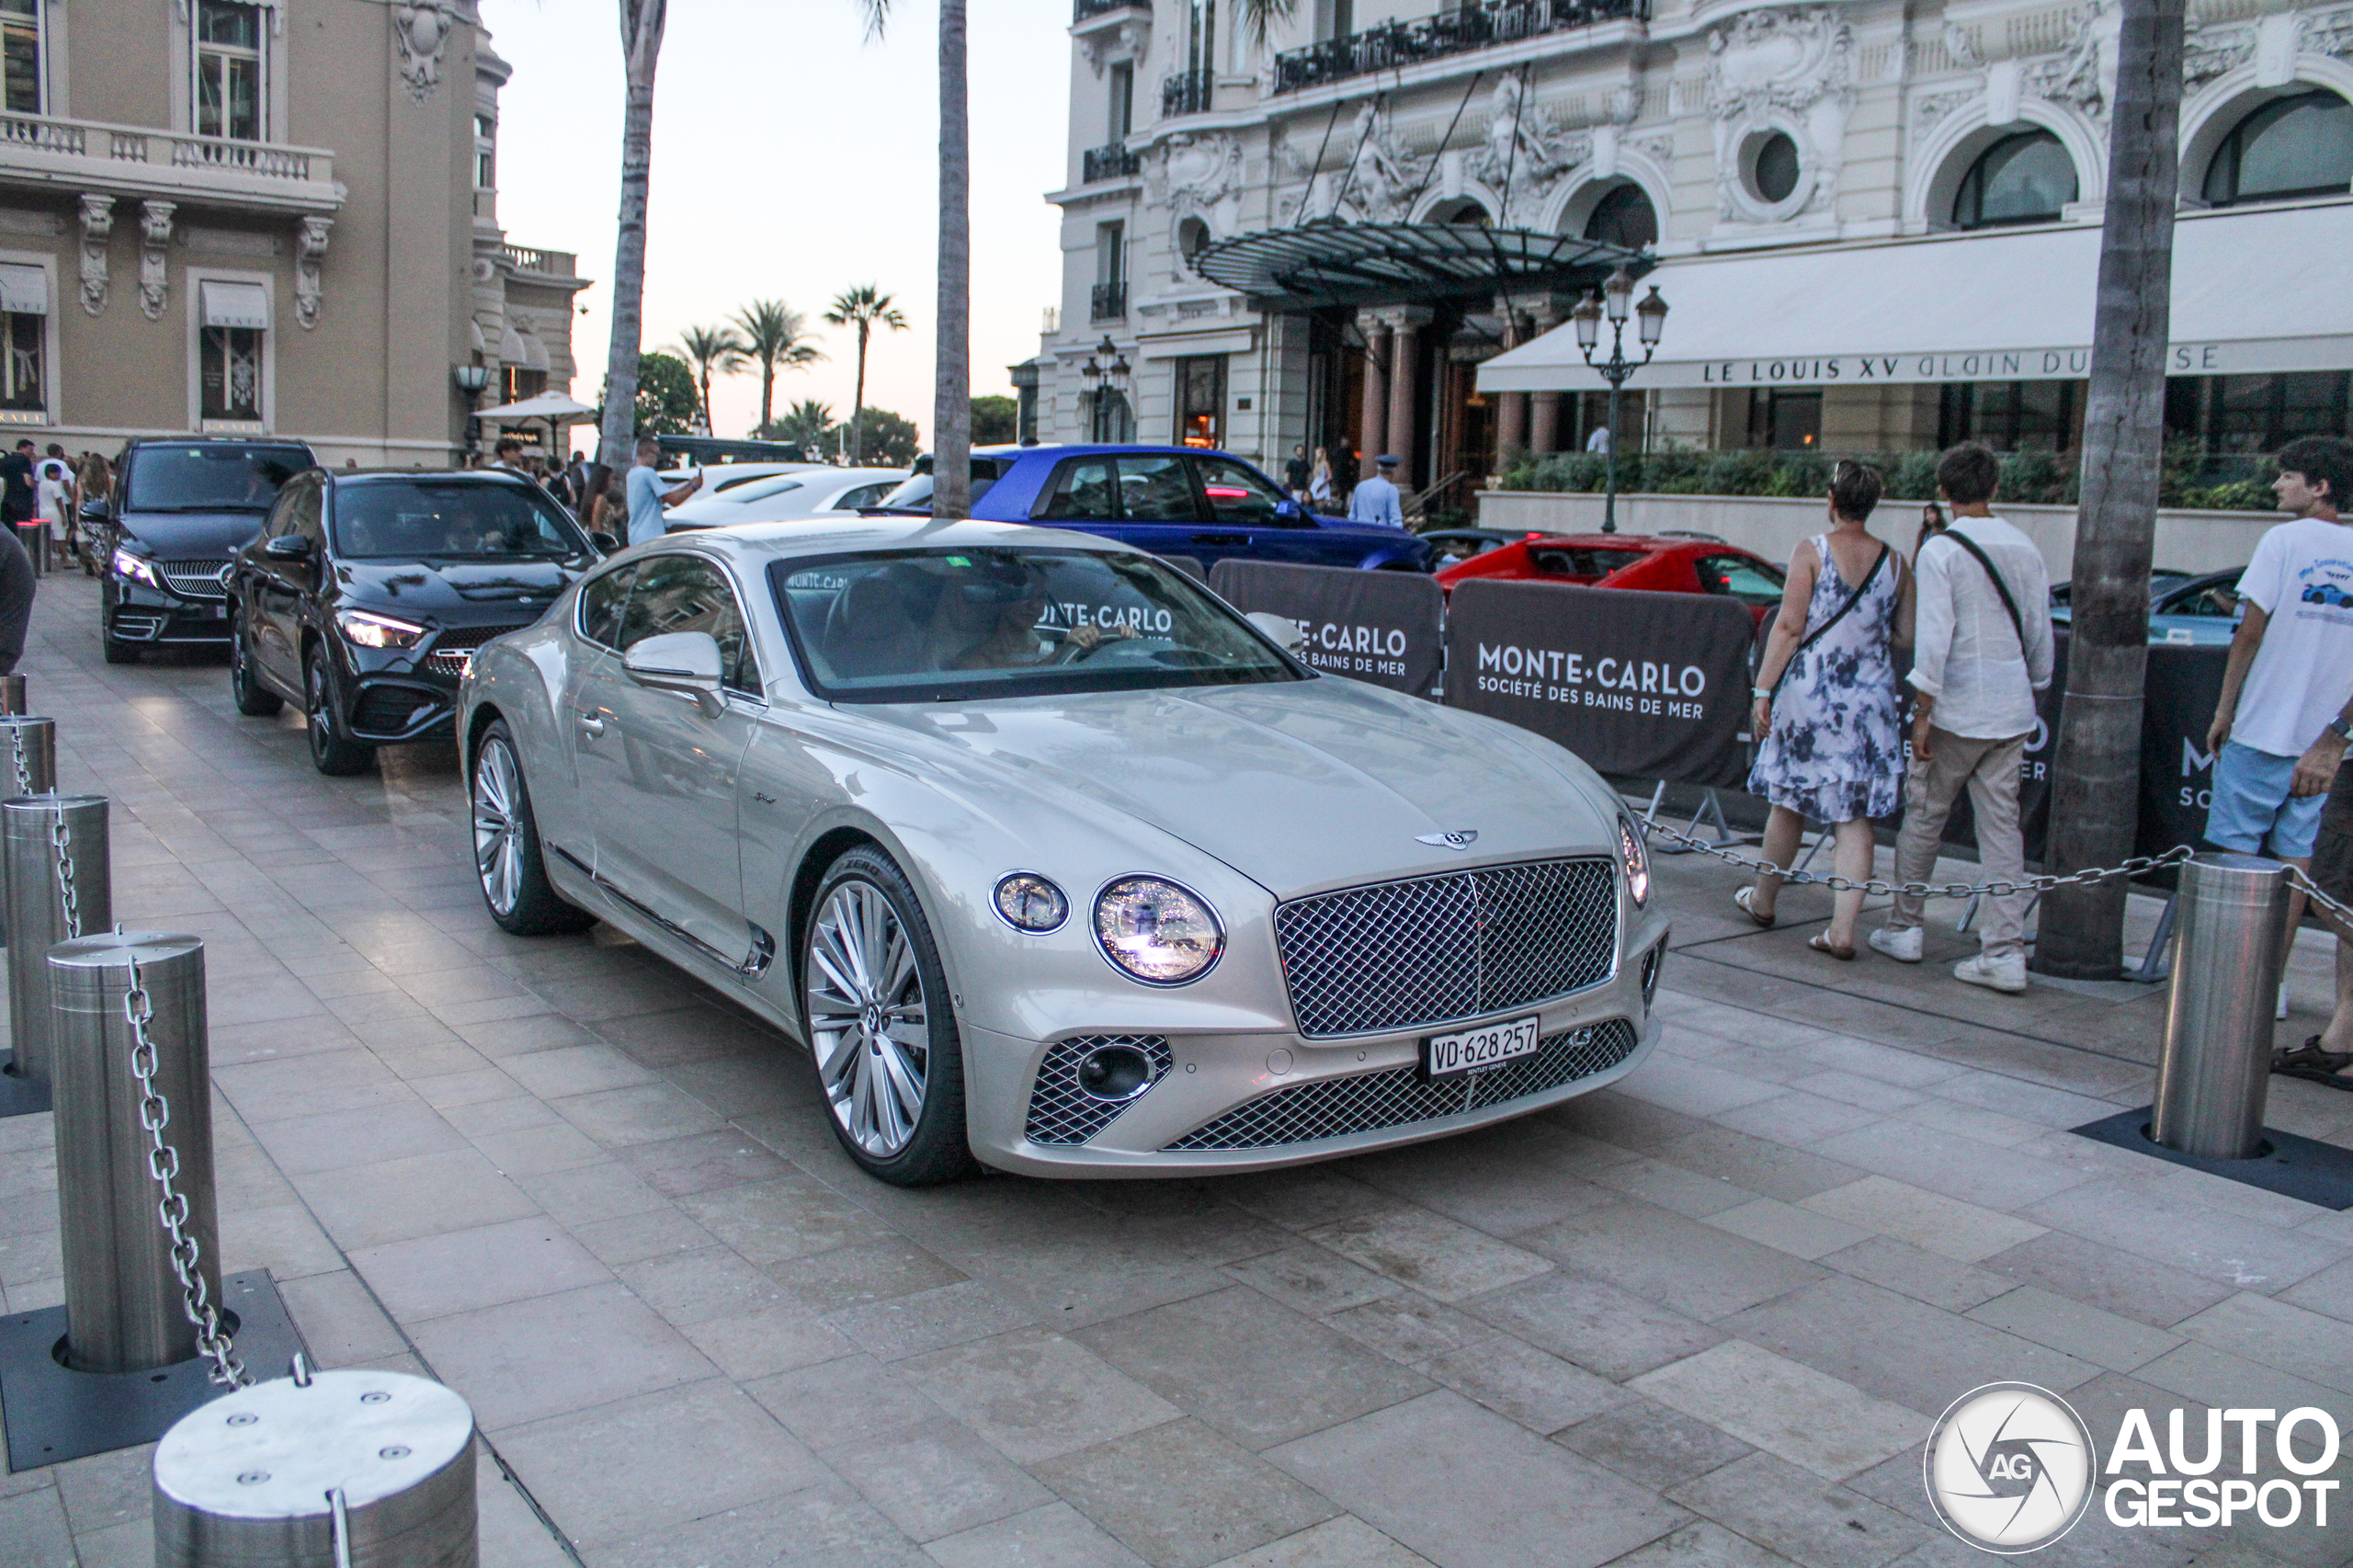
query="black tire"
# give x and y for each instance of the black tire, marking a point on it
(332, 752)
(118, 653)
(253, 700)
(510, 863)
(935, 1148)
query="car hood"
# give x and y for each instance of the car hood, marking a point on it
(1299, 786)
(455, 593)
(189, 536)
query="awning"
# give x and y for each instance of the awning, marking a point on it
(235, 305)
(1396, 264)
(546, 405)
(24, 290)
(2253, 293)
(535, 353)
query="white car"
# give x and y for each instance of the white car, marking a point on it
(1052, 860)
(721, 479)
(782, 497)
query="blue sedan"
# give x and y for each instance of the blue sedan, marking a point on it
(1169, 500)
(2201, 611)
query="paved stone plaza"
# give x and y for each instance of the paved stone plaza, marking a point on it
(1704, 1318)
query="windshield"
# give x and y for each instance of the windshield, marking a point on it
(914, 492)
(210, 477)
(949, 625)
(409, 519)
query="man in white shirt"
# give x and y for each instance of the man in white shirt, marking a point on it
(1599, 441)
(1376, 499)
(647, 499)
(1982, 650)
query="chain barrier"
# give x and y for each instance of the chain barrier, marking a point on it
(24, 768)
(1879, 889)
(2302, 880)
(163, 1164)
(60, 839)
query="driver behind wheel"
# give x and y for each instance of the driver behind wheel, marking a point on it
(995, 613)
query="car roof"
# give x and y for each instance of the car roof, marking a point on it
(756, 544)
(1087, 448)
(438, 475)
(1643, 543)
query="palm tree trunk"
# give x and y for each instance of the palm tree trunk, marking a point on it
(768, 396)
(857, 401)
(952, 404)
(2096, 775)
(641, 23)
(708, 428)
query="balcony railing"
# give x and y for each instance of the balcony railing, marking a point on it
(1107, 302)
(1114, 162)
(144, 156)
(554, 263)
(1188, 92)
(1396, 44)
(1082, 9)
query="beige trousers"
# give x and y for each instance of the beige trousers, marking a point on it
(1990, 768)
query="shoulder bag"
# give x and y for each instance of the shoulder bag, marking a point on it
(1971, 545)
(1853, 597)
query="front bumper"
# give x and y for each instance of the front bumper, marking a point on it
(137, 613)
(391, 695)
(1374, 1100)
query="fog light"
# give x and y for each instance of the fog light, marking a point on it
(1114, 1073)
(1653, 962)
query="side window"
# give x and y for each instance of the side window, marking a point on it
(1156, 488)
(600, 606)
(1238, 496)
(681, 593)
(1080, 491)
(303, 513)
(1750, 581)
(864, 495)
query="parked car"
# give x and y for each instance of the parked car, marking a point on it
(2201, 611)
(809, 492)
(180, 509)
(1051, 859)
(720, 478)
(1168, 500)
(1461, 544)
(366, 596)
(1654, 562)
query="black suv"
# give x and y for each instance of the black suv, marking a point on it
(181, 507)
(364, 595)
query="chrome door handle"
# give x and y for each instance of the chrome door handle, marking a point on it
(591, 726)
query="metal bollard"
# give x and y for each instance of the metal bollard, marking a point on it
(28, 751)
(2231, 944)
(12, 694)
(35, 907)
(375, 1469)
(124, 1305)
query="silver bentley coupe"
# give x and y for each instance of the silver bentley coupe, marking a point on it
(1052, 860)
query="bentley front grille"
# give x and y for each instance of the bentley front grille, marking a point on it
(1062, 1112)
(1396, 955)
(1335, 1108)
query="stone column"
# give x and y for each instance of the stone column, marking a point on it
(1511, 408)
(1544, 432)
(1403, 365)
(1372, 420)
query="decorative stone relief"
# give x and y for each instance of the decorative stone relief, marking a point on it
(1129, 39)
(1928, 110)
(310, 257)
(154, 246)
(1381, 176)
(97, 224)
(1199, 175)
(1792, 69)
(2210, 52)
(422, 29)
(2328, 32)
(2085, 75)
(1525, 153)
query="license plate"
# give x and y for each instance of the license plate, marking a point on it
(1473, 1050)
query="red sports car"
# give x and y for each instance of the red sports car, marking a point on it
(1657, 563)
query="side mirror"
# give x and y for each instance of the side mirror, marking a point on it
(96, 510)
(1285, 632)
(683, 662)
(605, 542)
(287, 547)
(1289, 508)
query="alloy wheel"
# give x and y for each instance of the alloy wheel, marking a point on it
(866, 1012)
(315, 687)
(498, 857)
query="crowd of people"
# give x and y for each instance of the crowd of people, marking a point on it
(40, 499)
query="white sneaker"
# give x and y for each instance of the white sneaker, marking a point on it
(1903, 945)
(2004, 973)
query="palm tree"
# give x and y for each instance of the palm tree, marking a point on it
(642, 25)
(810, 423)
(952, 392)
(709, 348)
(864, 307)
(775, 334)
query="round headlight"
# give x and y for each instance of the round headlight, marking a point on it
(1156, 931)
(1636, 857)
(1028, 902)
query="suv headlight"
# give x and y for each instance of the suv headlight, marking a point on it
(137, 568)
(369, 630)
(1635, 856)
(1157, 932)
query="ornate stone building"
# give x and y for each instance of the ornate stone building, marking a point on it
(1825, 187)
(249, 216)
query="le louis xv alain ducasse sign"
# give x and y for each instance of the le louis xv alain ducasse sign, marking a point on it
(1979, 365)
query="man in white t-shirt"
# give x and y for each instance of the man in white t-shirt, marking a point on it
(2290, 670)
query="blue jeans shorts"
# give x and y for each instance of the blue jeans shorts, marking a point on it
(2251, 802)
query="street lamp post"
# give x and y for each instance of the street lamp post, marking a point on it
(1616, 294)
(1106, 374)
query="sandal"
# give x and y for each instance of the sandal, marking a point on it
(2312, 1064)
(1742, 897)
(1820, 943)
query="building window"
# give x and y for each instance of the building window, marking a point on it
(1773, 168)
(2294, 146)
(21, 383)
(1110, 300)
(485, 153)
(2013, 416)
(228, 70)
(2258, 414)
(20, 55)
(231, 372)
(2026, 178)
(1200, 37)
(520, 381)
(1624, 218)
(1787, 419)
(1123, 101)
(1201, 401)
